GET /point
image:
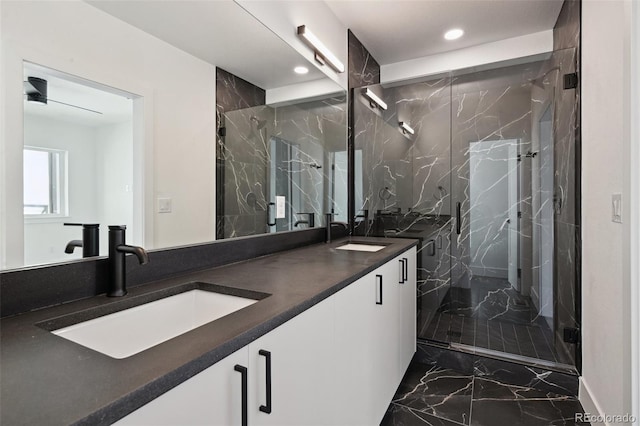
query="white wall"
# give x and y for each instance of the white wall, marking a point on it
(46, 238)
(606, 316)
(114, 180)
(488, 189)
(284, 16)
(511, 51)
(179, 100)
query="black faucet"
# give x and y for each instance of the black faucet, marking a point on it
(311, 222)
(330, 224)
(90, 242)
(117, 263)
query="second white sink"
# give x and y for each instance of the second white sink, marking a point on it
(361, 247)
(133, 330)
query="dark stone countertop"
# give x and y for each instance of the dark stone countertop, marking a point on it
(46, 379)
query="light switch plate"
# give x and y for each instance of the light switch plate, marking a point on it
(164, 205)
(280, 203)
(616, 208)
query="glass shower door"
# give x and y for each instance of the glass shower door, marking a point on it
(513, 191)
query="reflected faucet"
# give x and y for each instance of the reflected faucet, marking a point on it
(90, 242)
(117, 262)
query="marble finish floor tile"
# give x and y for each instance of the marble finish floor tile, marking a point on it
(436, 391)
(525, 413)
(431, 395)
(399, 415)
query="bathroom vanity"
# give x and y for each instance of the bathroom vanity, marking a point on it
(325, 340)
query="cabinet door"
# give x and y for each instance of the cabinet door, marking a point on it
(212, 397)
(366, 341)
(387, 324)
(407, 312)
(356, 347)
(301, 356)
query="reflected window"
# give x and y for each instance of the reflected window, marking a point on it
(44, 181)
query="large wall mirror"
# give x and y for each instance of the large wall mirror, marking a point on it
(147, 125)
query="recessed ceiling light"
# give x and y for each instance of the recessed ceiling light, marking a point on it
(453, 34)
(301, 70)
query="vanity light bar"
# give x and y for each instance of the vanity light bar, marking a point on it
(406, 128)
(322, 53)
(374, 98)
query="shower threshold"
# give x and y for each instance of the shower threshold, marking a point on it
(505, 356)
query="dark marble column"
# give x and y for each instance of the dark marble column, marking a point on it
(363, 70)
(232, 94)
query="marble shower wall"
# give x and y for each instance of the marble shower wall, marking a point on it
(316, 130)
(491, 111)
(363, 70)
(233, 94)
(304, 137)
(246, 164)
(567, 153)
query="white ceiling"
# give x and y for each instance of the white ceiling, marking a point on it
(219, 32)
(112, 108)
(399, 30)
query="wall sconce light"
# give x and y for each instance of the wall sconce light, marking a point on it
(322, 54)
(374, 100)
(406, 128)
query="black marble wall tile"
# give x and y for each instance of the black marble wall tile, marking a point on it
(566, 32)
(232, 94)
(567, 57)
(363, 68)
(298, 145)
(33, 288)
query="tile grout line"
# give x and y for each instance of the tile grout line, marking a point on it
(515, 333)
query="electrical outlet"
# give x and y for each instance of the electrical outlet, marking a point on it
(616, 208)
(164, 205)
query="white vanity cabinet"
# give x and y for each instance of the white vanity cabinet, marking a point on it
(339, 362)
(375, 339)
(298, 391)
(408, 314)
(212, 397)
(300, 355)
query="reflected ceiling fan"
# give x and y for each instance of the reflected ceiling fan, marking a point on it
(36, 90)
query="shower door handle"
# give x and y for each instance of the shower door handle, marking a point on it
(432, 244)
(269, 215)
(458, 205)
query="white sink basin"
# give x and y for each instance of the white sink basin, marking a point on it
(361, 247)
(133, 330)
